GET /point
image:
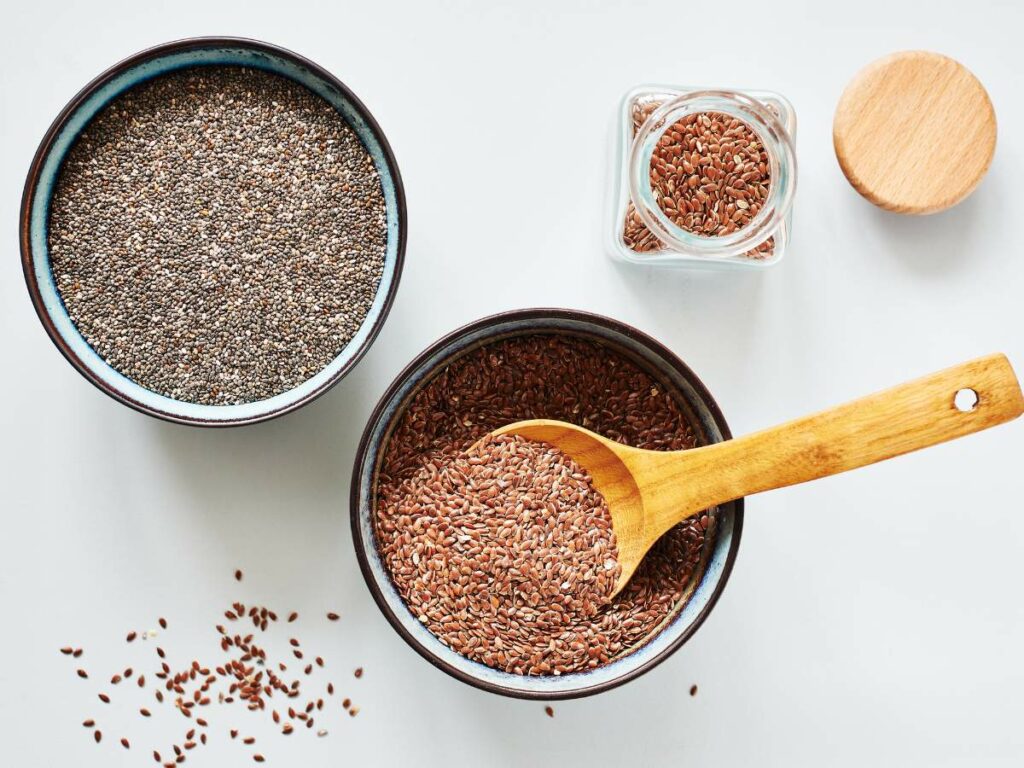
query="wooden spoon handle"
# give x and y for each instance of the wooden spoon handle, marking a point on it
(895, 421)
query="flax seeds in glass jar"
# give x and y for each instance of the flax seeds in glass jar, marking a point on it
(702, 178)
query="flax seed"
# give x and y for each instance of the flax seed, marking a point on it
(728, 169)
(537, 625)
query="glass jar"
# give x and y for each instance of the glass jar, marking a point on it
(642, 233)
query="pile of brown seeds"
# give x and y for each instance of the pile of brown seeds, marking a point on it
(249, 677)
(218, 234)
(511, 534)
(710, 174)
(528, 377)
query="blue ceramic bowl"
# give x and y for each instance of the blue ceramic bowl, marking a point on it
(651, 357)
(198, 52)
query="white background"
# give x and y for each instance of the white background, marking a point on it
(872, 619)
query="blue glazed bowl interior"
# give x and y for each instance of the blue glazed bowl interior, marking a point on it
(705, 587)
(236, 55)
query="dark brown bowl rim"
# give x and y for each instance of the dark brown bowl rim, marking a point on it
(364, 446)
(185, 44)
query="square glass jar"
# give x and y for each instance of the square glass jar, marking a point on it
(644, 114)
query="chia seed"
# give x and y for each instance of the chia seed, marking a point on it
(218, 234)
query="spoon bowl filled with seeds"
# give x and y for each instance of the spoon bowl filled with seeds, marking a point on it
(213, 231)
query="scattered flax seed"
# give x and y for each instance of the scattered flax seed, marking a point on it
(238, 575)
(354, 711)
(77, 653)
(131, 637)
(258, 758)
(126, 744)
(293, 617)
(163, 623)
(321, 733)
(67, 651)
(359, 672)
(83, 674)
(333, 616)
(346, 703)
(246, 674)
(549, 711)
(98, 736)
(693, 690)
(330, 689)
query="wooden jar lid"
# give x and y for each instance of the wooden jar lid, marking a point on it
(914, 132)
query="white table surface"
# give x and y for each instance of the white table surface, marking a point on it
(872, 619)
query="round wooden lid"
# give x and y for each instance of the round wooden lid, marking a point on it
(914, 132)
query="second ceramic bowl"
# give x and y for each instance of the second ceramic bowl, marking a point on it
(650, 356)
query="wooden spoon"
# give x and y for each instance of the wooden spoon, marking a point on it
(648, 492)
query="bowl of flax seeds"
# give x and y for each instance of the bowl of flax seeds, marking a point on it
(485, 573)
(213, 230)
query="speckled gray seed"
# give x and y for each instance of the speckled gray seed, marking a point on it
(218, 234)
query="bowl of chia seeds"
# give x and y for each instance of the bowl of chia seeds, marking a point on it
(444, 548)
(213, 231)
